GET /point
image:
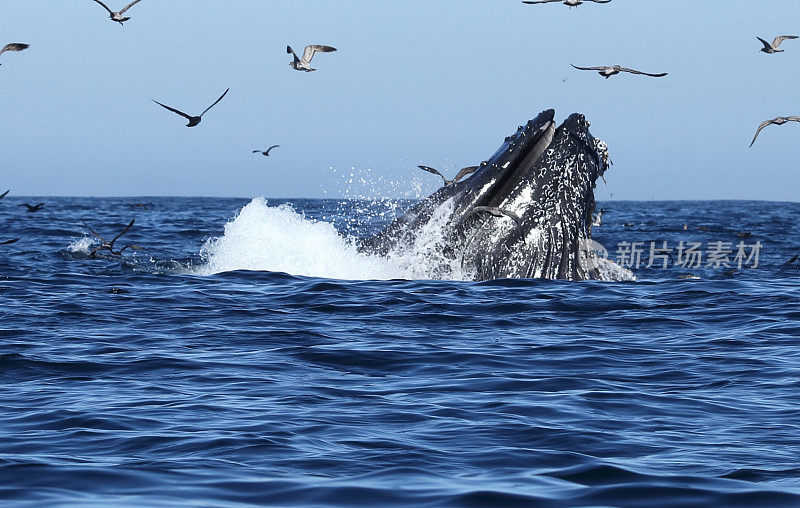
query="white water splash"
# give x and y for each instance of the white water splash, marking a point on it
(278, 239)
(425, 255)
(359, 183)
(81, 245)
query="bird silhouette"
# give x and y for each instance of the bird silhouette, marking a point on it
(118, 16)
(193, 120)
(495, 212)
(109, 246)
(780, 120)
(14, 46)
(610, 70)
(266, 153)
(773, 48)
(304, 64)
(570, 3)
(33, 208)
(461, 174)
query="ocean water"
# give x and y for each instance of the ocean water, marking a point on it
(249, 355)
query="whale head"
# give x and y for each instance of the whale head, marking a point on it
(542, 179)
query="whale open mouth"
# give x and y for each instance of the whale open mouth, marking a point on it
(525, 212)
(517, 160)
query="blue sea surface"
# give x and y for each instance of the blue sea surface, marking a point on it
(190, 372)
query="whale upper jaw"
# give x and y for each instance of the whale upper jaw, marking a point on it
(517, 162)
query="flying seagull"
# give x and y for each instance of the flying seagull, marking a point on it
(461, 174)
(773, 48)
(303, 64)
(14, 46)
(571, 3)
(193, 120)
(780, 120)
(266, 154)
(119, 15)
(608, 71)
(4, 194)
(109, 246)
(9, 242)
(33, 208)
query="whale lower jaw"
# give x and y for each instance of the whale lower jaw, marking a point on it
(540, 187)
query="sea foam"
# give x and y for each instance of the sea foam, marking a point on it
(278, 239)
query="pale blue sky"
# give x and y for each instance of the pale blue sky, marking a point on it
(414, 81)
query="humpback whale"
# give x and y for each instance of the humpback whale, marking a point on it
(538, 192)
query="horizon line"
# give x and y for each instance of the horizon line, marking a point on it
(167, 196)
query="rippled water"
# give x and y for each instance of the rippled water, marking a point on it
(174, 376)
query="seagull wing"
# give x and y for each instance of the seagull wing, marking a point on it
(4, 194)
(9, 242)
(309, 52)
(588, 68)
(765, 43)
(93, 231)
(634, 71)
(215, 102)
(598, 1)
(539, 1)
(291, 52)
(14, 46)
(129, 6)
(778, 40)
(464, 172)
(435, 172)
(270, 148)
(760, 127)
(123, 231)
(257, 151)
(790, 118)
(173, 110)
(105, 6)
